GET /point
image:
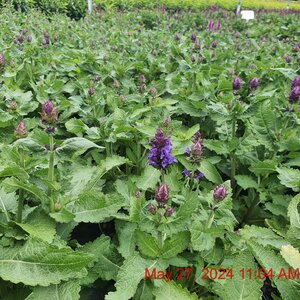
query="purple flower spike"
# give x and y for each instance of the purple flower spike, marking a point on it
(49, 113)
(2, 60)
(152, 209)
(295, 94)
(214, 44)
(21, 130)
(177, 37)
(296, 82)
(193, 37)
(254, 83)
(164, 8)
(160, 155)
(187, 150)
(186, 173)
(220, 192)
(211, 25)
(218, 27)
(237, 82)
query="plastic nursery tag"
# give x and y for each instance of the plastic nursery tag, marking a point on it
(247, 14)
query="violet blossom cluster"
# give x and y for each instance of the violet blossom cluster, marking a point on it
(212, 26)
(295, 90)
(195, 155)
(160, 155)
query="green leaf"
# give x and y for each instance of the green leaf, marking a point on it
(263, 167)
(293, 212)
(95, 207)
(149, 178)
(8, 202)
(38, 263)
(210, 172)
(62, 216)
(78, 144)
(147, 244)
(75, 126)
(175, 244)
(171, 290)
(39, 225)
(14, 171)
(106, 260)
(268, 259)
(263, 236)
(129, 276)
(289, 178)
(246, 182)
(12, 184)
(238, 288)
(291, 256)
(216, 145)
(126, 236)
(64, 291)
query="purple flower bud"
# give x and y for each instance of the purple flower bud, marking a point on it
(91, 91)
(211, 25)
(116, 83)
(162, 194)
(152, 209)
(153, 91)
(21, 130)
(193, 58)
(20, 38)
(187, 150)
(154, 52)
(169, 212)
(254, 83)
(197, 137)
(214, 44)
(199, 175)
(122, 98)
(218, 27)
(295, 94)
(24, 31)
(13, 105)
(49, 129)
(237, 35)
(97, 78)
(193, 37)
(296, 82)
(163, 8)
(220, 192)
(197, 148)
(2, 60)
(167, 121)
(186, 173)
(237, 82)
(49, 113)
(29, 38)
(197, 45)
(138, 194)
(142, 79)
(287, 58)
(177, 37)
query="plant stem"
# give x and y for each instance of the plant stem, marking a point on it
(107, 146)
(51, 170)
(138, 154)
(21, 192)
(233, 162)
(211, 218)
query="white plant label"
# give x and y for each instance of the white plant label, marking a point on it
(247, 14)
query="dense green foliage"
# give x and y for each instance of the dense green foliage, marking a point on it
(114, 78)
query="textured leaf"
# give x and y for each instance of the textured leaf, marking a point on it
(263, 167)
(75, 126)
(263, 236)
(129, 276)
(268, 259)
(8, 202)
(96, 207)
(14, 171)
(106, 260)
(291, 256)
(293, 212)
(39, 225)
(126, 236)
(246, 182)
(171, 290)
(64, 291)
(147, 244)
(238, 288)
(289, 178)
(148, 179)
(210, 172)
(38, 263)
(175, 244)
(78, 144)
